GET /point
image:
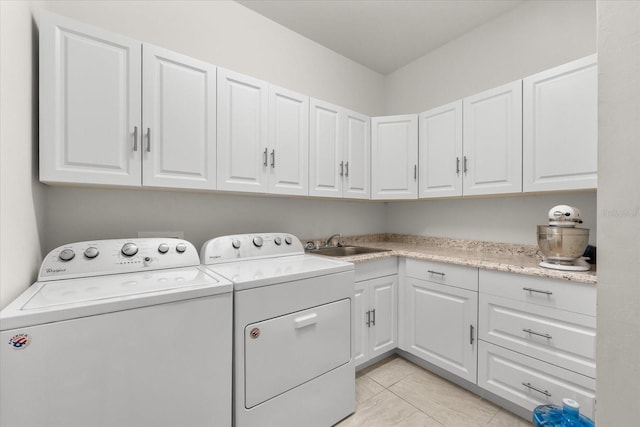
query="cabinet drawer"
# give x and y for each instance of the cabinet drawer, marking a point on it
(560, 337)
(446, 274)
(378, 268)
(565, 295)
(529, 382)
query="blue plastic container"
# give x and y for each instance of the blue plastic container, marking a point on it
(566, 416)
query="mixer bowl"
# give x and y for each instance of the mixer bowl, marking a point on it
(562, 245)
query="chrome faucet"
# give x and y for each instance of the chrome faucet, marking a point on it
(328, 242)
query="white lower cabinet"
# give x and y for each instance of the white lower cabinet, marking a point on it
(440, 320)
(375, 317)
(537, 340)
(530, 382)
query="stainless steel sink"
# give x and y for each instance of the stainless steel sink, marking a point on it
(338, 251)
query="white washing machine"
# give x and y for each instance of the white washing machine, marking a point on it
(118, 333)
(293, 322)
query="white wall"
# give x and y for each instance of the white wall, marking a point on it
(618, 344)
(529, 38)
(21, 195)
(94, 213)
(495, 219)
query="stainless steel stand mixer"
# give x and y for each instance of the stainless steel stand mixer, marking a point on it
(561, 242)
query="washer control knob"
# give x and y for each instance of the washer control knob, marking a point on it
(277, 240)
(288, 240)
(257, 241)
(163, 248)
(181, 248)
(66, 255)
(129, 249)
(236, 244)
(91, 252)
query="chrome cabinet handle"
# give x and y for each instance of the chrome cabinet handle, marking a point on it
(436, 272)
(148, 140)
(545, 392)
(538, 291)
(415, 172)
(264, 157)
(457, 165)
(373, 317)
(135, 138)
(529, 331)
(342, 168)
(464, 164)
(346, 169)
(471, 339)
(273, 158)
(368, 318)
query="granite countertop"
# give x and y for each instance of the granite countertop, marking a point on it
(521, 259)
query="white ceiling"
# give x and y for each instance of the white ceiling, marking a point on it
(383, 35)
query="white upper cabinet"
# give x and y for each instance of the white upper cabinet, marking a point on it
(325, 146)
(339, 156)
(560, 134)
(242, 132)
(492, 134)
(179, 120)
(440, 151)
(394, 157)
(357, 156)
(90, 105)
(287, 155)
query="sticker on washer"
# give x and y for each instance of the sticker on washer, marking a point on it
(255, 333)
(19, 341)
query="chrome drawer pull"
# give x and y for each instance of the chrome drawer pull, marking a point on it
(435, 272)
(545, 392)
(538, 291)
(373, 319)
(264, 157)
(529, 331)
(368, 318)
(135, 138)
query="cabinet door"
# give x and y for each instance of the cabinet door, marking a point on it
(441, 326)
(326, 165)
(361, 323)
(357, 156)
(90, 104)
(492, 134)
(394, 157)
(288, 150)
(560, 127)
(383, 305)
(440, 151)
(179, 120)
(242, 132)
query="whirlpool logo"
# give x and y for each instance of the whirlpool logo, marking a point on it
(19, 341)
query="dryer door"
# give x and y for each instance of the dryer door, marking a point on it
(287, 351)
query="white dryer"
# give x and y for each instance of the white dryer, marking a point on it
(293, 322)
(118, 333)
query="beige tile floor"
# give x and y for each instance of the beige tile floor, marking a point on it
(397, 393)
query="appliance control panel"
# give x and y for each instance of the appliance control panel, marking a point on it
(102, 257)
(249, 246)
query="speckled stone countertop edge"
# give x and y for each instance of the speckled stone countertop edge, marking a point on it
(519, 259)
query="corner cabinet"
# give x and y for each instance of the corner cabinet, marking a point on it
(394, 157)
(560, 113)
(440, 151)
(104, 121)
(492, 134)
(375, 312)
(439, 309)
(339, 152)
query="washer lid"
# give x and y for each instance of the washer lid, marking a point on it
(264, 272)
(57, 300)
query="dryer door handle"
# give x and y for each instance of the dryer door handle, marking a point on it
(302, 321)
